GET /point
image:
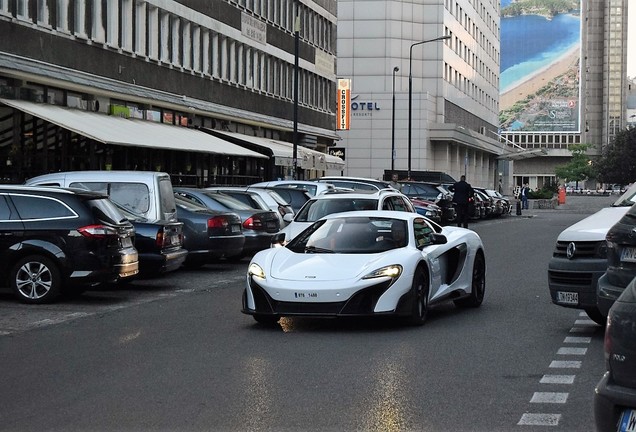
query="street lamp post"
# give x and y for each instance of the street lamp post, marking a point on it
(395, 69)
(295, 135)
(411, 92)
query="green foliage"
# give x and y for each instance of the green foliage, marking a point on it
(580, 166)
(617, 163)
(546, 192)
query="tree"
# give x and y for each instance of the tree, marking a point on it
(617, 163)
(579, 168)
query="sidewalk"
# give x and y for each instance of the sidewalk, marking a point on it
(586, 204)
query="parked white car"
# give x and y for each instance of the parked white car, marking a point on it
(338, 202)
(580, 258)
(313, 188)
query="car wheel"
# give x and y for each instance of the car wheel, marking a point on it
(478, 284)
(596, 316)
(35, 279)
(266, 320)
(419, 291)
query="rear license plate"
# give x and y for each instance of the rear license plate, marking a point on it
(628, 421)
(568, 297)
(271, 225)
(236, 228)
(628, 254)
(126, 242)
(175, 240)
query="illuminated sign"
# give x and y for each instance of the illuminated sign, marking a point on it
(344, 102)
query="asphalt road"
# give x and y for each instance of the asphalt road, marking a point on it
(175, 353)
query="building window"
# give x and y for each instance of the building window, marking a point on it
(112, 23)
(80, 18)
(140, 28)
(43, 18)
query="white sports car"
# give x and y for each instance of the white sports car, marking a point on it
(366, 263)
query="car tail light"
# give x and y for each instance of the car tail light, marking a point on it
(253, 222)
(97, 231)
(160, 239)
(217, 222)
(165, 239)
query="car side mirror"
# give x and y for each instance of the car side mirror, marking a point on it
(288, 217)
(438, 238)
(278, 239)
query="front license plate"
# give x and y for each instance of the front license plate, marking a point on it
(568, 297)
(628, 254)
(628, 421)
(305, 295)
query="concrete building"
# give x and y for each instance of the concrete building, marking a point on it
(384, 47)
(206, 87)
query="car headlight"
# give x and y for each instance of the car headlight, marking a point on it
(392, 271)
(256, 270)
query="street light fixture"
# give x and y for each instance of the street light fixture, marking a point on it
(395, 69)
(411, 91)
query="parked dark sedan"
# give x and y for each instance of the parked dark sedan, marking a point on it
(432, 192)
(208, 235)
(615, 395)
(621, 261)
(258, 226)
(159, 243)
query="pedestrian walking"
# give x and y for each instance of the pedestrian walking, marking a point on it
(462, 193)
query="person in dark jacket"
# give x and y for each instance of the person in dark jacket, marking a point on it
(525, 192)
(462, 193)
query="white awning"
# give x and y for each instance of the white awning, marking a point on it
(121, 131)
(283, 152)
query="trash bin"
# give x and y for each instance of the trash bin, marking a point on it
(561, 196)
(518, 207)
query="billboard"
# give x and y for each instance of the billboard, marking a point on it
(540, 66)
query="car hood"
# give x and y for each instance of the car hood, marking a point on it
(593, 227)
(287, 265)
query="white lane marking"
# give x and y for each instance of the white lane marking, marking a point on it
(573, 339)
(572, 351)
(585, 322)
(549, 397)
(582, 330)
(566, 364)
(557, 379)
(529, 419)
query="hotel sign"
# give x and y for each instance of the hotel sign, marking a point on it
(344, 104)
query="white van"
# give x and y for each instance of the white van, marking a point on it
(580, 258)
(144, 193)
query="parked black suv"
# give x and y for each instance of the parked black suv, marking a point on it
(53, 240)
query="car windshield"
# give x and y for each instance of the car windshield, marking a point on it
(187, 204)
(628, 198)
(355, 235)
(318, 208)
(228, 201)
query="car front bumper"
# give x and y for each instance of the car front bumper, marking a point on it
(575, 276)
